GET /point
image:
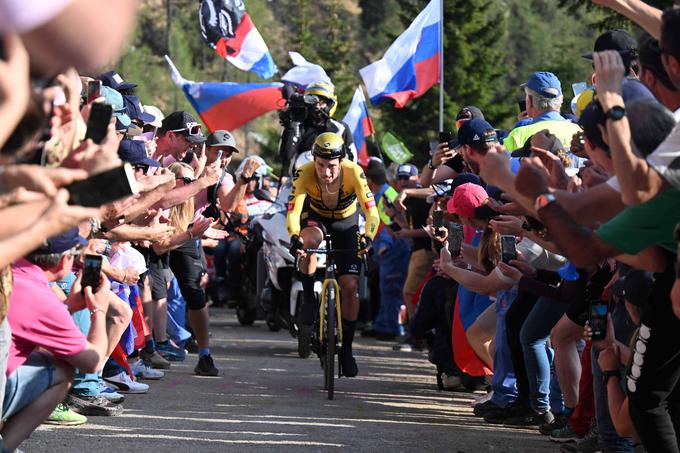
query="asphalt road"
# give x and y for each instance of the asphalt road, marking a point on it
(268, 399)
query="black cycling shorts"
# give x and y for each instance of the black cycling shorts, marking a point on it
(344, 235)
(187, 264)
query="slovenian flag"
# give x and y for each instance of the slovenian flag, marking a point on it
(360, 124)
(228, 105)
(227, 28)
(411, 65)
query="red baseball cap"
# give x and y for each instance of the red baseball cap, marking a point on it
(466, 198)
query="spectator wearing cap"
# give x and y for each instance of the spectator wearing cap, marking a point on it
(475, 138)
(115, 100)
(392, 255)
(445, 162)
(179, 132)
(46, 344)
(228, 196)
(416, 213)
(465, 201)
(622, 42)
(638, 183)
(114, 80)
(134, 152)
(543, 96)
(653, 75)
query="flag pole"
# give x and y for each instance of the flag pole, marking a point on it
(441, 66)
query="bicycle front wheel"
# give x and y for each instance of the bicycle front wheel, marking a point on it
(330, 333)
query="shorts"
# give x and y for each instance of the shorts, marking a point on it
(159, 275)
(344, 235)
(578, 311)
(186, 262)
(27, 383)
(418, 267)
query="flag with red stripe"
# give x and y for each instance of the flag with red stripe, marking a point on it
(360, 124)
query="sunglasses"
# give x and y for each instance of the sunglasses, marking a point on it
(191, 130)
(184, 179)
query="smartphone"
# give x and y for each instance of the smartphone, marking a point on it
(219, 156)
(445, 137)
(103, 188)
(522, 105)
(94, 90)
(508, 248)
(437, 221)
(98, 122)
(598, 318)
(92, 269)
(455, 238)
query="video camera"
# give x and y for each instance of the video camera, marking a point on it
(298, 105)
(298, 108)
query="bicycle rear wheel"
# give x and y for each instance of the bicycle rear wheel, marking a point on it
(329, 334)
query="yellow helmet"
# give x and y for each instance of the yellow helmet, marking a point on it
(326, 91)
(582, 100)
(329, 145)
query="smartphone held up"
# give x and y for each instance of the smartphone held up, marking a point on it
(92, 267)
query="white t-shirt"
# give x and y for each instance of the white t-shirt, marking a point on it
(666, 157)
(22, 16)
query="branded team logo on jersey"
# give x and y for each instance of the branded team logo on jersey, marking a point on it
(297, 175)
(370, 203)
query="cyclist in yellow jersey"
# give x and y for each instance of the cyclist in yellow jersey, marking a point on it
(324, 200)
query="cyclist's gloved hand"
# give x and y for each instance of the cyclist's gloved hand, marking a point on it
(295, 245)
(365, 244)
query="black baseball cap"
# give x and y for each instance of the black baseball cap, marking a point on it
(476, 131)
(183, 123)
(619, 40)
(469, 112)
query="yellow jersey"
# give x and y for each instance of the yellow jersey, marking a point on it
(353, 186)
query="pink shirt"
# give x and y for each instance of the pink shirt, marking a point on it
(38, 318)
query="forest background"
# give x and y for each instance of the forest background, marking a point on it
(490, 48)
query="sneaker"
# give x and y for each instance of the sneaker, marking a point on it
(559, 422)
(62, 415)
(170, 352)
(348, 365)
(154, 359)
(143, 371)
(123, 383)
(94, 405)
(482, 408)
(563, 435)
(482, 399)
(410, 345)
(589, 444)
(206, 366)
(531, 419)
(512, 412)
(110, 394)
(450, 382)
(304, 338)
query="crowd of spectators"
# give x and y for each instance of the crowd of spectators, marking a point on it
(567, 221)
(497, 256)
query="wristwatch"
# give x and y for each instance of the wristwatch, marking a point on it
(429, 165)
(544, 200)
(608, 374)
(615, 113)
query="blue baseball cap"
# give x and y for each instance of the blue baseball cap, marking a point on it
(134, 151)
(62, 242)
(475, 132)
(114, 80)
(407, 170)
(135, 109)
(544, 83)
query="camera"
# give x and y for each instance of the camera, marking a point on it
(298, 108)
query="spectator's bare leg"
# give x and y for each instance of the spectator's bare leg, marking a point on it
(564, 337)
(481, 333)
(198, 320)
